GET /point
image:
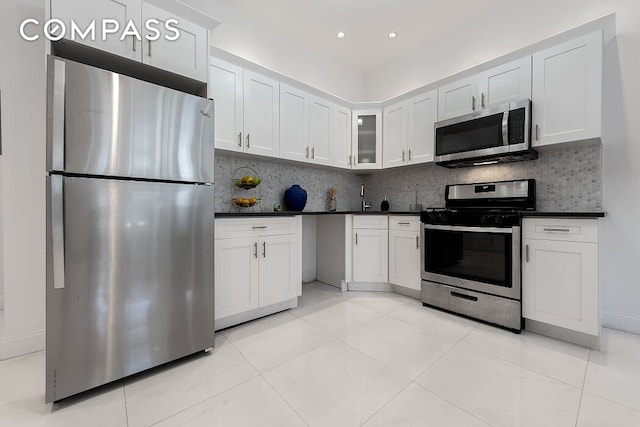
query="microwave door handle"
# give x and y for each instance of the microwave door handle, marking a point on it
(505, 128)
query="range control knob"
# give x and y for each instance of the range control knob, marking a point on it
(441, 218)
(486, 220)
(499, 219)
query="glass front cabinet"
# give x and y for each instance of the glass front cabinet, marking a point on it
(367, 139)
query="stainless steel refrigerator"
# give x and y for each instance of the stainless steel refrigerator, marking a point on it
(130, 225)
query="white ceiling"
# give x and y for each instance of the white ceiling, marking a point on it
(366, 23)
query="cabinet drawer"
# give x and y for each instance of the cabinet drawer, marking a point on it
(246, 227)
(370, 221)
(411, 223)
(573, 230)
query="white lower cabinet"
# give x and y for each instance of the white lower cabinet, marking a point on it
(404, 251)
(257, 264)
(370, 248)
(560, 273)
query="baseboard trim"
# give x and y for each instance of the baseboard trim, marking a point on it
(408, 292)
(370, 286)
(622, 322)
(236, 319)
(19, 345)
(585, 340)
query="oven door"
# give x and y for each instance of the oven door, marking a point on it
(483, 259)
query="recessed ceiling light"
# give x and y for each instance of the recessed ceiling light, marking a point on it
(392, 35)
(340, 35)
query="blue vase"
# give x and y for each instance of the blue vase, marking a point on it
(295, 198)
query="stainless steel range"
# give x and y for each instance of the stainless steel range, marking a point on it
(471, 258)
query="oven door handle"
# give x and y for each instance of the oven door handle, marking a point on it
(499, 230)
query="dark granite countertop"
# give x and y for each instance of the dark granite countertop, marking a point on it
(293, 213)
(551, 214)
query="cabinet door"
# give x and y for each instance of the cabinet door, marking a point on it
(505, 83)
(366, 141)
(458, 98)
(422, 116)
(225, 88)
(394, 142)
(280, 275)
(236, 276)
(560, 284)
(294, 124)
(342, 137)
(261, 114)
(404, 259)
(370, 255)
(83, 12)
(320, 131)
(188, 55)
(567, 91)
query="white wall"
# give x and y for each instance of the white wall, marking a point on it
(22, 81)
(249, 39)
(514, 25)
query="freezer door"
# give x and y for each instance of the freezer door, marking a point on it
(138, 279)
(107, 124)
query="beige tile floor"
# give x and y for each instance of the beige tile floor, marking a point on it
(358, 358)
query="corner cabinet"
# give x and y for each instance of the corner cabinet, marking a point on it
(404, 251)
(366, 141)
(560, 273)
(258, 267)
(370, 248)
(247, 115)
(567, 91)
(187, 55)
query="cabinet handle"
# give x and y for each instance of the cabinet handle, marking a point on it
(356, 238)
(133, 39)
(563, 230)
(482, 99)
(307, 152)
(149, 47)
(240, 139)
(264, 249)
(403, 155)
(409, 155)
(417, 242)
(258, 227)
(526, 253)
(473, 103)
(350, 157)
(404, 223)
(248, 142)
(537, 132)
(255, 250)
(313, 152)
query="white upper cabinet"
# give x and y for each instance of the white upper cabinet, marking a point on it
(261, 114)
(567, 91)
(320, 130)
(225, 88)
(366, 142)
(505, 83)
(395, 142)
(341, 146)
(83, 12)
(422, 116)
(458, 98)
(489, 88)
(294, 123)
(187, 55)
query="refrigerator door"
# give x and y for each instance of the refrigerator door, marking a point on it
(108, 124)
(138, 279)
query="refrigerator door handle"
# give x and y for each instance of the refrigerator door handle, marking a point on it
(56, 206)
(57, 111)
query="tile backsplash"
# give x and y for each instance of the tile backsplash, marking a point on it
(276, 176)
(567, 179)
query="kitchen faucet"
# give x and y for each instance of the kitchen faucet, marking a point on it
(363, 204)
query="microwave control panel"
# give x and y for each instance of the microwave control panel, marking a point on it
(517, 129)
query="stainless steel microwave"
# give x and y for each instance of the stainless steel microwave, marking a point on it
(495, 135)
